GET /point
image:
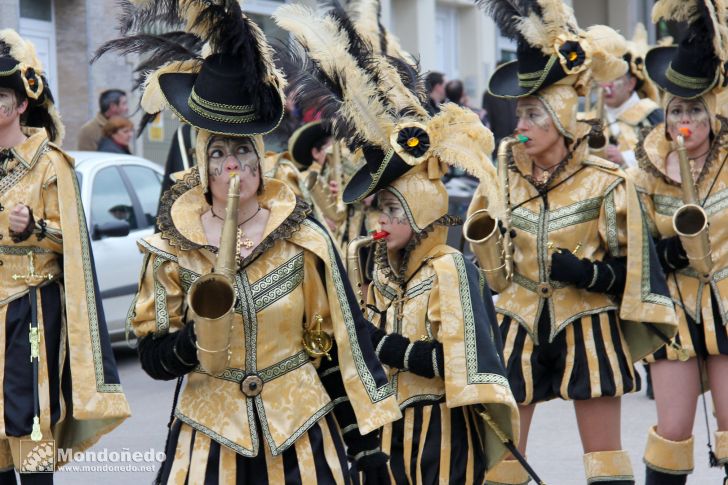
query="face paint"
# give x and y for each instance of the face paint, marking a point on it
(391, 209)
(687, 111)
(241, 149)
(8, 102)
(533, 115)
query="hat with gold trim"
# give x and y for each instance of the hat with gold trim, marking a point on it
(551, 48)
(699, 63)
(21, 71)
(217, 74)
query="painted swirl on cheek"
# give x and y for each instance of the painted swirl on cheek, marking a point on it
(7, 106)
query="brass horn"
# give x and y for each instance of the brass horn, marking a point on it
(494, 249)
(690, 221)
(211, 298)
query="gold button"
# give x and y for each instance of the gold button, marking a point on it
(705, 277)
(252, 385)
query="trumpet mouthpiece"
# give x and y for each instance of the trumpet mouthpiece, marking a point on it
(522, 138)
(379, 235)
(685, 131)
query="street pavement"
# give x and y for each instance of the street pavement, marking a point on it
(554, 447)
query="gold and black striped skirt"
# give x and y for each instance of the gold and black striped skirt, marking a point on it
(317, 457)
(434, 444)
(587, 359)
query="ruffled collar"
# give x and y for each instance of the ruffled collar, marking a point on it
(184, 203)
(652, 151)
(422, 247)
(520, 162)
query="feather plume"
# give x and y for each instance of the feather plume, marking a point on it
(607, 49)
(459, 139)
(20, 50)
(209, 27)
(506, 14)
(327, 45)
(545, 22)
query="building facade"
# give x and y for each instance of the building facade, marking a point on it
(451, 36)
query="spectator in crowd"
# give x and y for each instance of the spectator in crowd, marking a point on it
(112, 102)
(501, 114)
(435, 83)
(455, 93)
(117, 134)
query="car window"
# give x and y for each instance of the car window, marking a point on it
(110, 200)
(146, 184)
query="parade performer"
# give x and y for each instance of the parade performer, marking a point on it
(630, 103)
(682, 162)
(274, 350)
(319, 157)
(60, 380)
(432, 313)
(568, 305)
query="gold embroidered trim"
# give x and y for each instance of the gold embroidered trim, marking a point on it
(687, 82)
(229, 108)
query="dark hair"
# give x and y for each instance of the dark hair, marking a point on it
(433, 79)
(109, 97)
(454, 90)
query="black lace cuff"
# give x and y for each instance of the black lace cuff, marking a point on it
(169, 356)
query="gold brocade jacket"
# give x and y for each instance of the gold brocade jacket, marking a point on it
(661, 197)
(41, 176)
(440, 301)
(292, 276)
(591, 210)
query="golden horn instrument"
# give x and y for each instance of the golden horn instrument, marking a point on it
(353, 263)
(331, 206)
(493, 248)
(690, 221)
(211, 298)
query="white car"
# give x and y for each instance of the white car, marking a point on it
(120, 195)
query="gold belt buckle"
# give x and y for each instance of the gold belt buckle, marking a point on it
(251, 385)
(544, 290)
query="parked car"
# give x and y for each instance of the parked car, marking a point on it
(120, 194)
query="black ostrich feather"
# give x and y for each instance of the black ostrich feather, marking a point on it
(311, 87)
(507, 13)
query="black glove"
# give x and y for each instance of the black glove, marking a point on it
(425, 358)
(169, 356)
(567, 268)
(671, 253)
(608, 276)
(374, 468)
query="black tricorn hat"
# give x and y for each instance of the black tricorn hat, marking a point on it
(304, 138)
(381, 169)
(216, 99)
(695, 66)
(533, 70)
(683, 70)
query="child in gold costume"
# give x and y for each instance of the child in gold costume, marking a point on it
(432, 314)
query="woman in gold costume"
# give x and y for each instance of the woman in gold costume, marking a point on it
(574, 221)
(276, 410)
(690, 76)
(432, 314)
